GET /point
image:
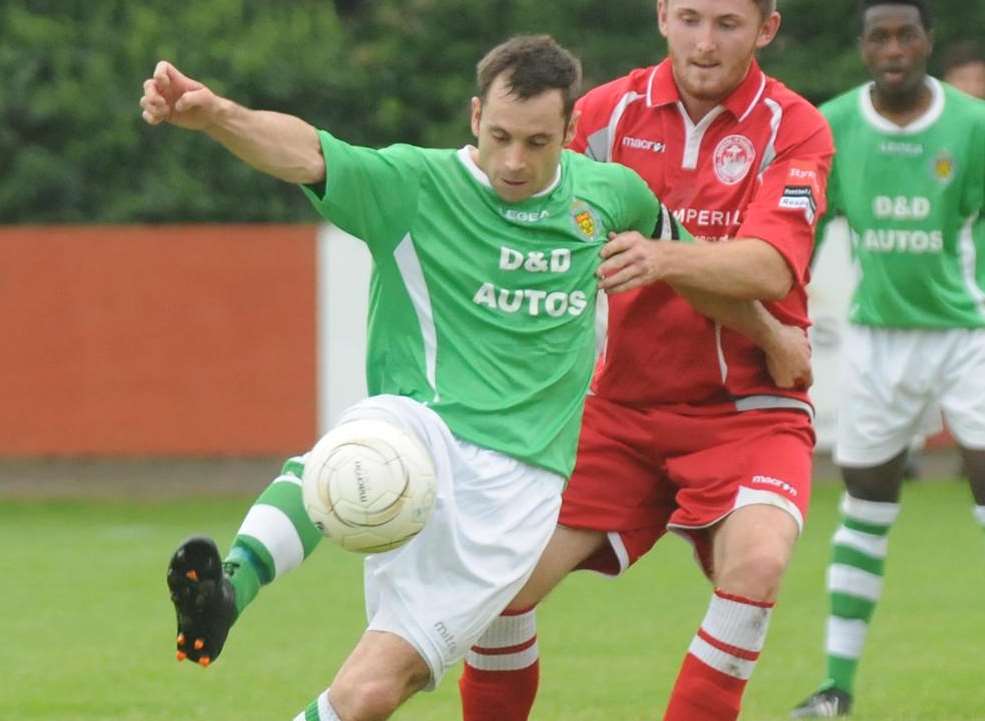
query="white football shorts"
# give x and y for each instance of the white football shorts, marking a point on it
(893, 379)
(491, 522)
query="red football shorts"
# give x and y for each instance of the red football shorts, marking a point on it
(642, 471)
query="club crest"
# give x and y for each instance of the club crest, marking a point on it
(586, 220)
(942, 167)
(733, 158)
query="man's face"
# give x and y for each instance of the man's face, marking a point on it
(519, 141)
(969, 77)
(895, 48)
(711, 43)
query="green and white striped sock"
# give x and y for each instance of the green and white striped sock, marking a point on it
(275, 536)
(319, 710)
(855, 583)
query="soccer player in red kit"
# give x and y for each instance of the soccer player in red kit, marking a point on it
(685, 428)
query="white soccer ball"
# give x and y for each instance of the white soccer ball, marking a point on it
(369, 485)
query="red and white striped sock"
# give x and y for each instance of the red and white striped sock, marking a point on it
(502, 670)
(720, 660)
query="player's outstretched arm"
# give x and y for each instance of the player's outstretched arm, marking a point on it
(280, 145)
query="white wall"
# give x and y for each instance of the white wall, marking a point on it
(344, 266)
(829, 296)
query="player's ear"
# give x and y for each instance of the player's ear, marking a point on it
(476, 115)
(769, 29)
(662, 17)
(569, 133)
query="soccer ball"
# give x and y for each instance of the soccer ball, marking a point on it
(369, 486)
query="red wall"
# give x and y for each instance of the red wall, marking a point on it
(160, 341)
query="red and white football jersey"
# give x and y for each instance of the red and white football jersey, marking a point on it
(756, 166)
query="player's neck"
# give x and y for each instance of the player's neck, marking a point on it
(697, 108)
(902, 109)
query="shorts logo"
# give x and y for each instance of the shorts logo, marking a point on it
(447, 636)
(585, 220)
(733, 158)
(776, 483)
(943, 167)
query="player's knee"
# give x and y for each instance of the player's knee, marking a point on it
(756, 574)
(367, 698)
(880, 484)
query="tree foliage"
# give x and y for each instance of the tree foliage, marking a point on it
(73, 147)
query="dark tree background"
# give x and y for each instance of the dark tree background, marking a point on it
(74, 150)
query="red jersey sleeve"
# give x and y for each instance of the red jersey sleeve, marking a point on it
(790, 199)
(596, 111)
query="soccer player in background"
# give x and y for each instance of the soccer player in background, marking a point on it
(485, 361)
(964, 68)
(910, 179)
(685, 428)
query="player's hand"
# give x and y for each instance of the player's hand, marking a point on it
(631, 260)
(788, 358)
(175, 98)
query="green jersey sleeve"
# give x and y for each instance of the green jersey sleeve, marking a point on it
(371, 194)
(643, 212)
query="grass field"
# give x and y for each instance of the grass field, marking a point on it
(88, 630)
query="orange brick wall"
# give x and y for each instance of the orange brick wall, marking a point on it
(157, 341)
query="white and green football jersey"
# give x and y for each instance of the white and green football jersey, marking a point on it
(481, 309)
(914, 199)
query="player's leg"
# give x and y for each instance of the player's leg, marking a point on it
(497, 686)
(380, 674)
(888, 378)
(419, 626)
(974, 465)
(744, 503)
(869, 508)
(209, 594)
(963, 401)
(502, 670)
(751, 549)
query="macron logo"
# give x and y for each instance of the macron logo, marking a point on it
(776, 483)
(640, 144)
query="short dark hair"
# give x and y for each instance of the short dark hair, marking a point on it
(535, 63)
(921, 5)
(964, 53)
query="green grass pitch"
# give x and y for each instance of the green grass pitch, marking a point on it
(88, 629)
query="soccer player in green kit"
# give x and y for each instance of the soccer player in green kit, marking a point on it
(909, 176)
(481, 346)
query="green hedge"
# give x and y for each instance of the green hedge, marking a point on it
(74, 150)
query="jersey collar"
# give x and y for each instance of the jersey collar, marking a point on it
(465, 156)
(661, 89)
(917, 125)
